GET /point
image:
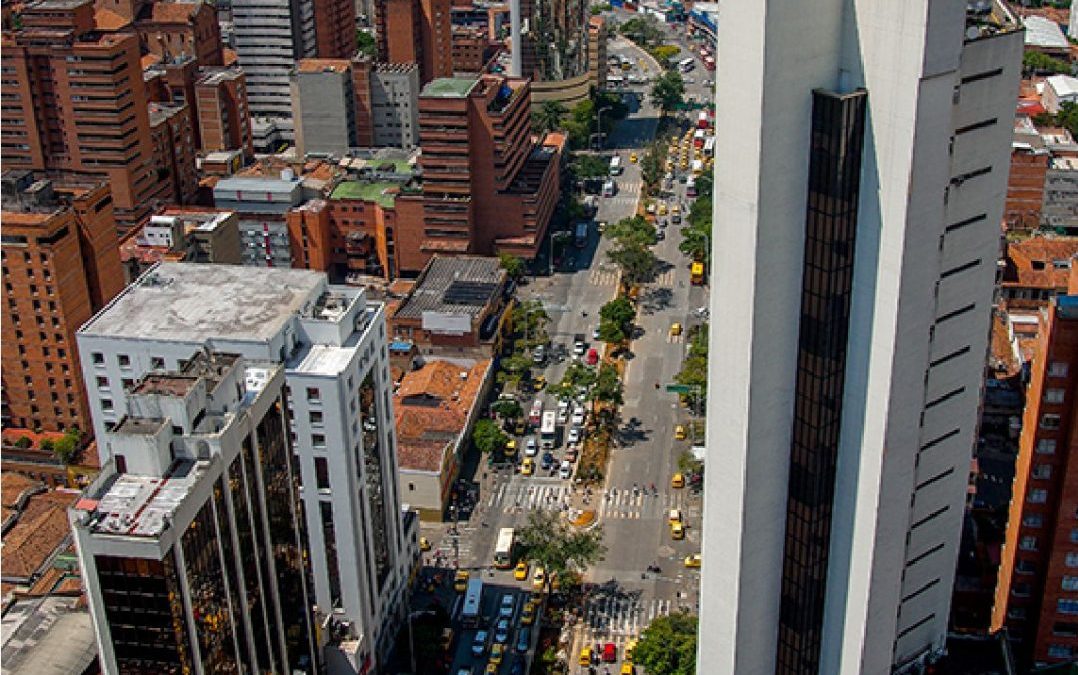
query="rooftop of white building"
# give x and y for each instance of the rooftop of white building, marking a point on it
(191, 302)
(1044, 33)
(142, 506)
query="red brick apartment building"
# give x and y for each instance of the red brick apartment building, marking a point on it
(60, 265)
(416, 31)
(74, 101)
(1037, 589)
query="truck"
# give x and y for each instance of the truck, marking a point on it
(581, 238)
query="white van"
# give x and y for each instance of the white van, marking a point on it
(610, 188)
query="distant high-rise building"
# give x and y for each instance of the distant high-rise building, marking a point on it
(331, 342)
(1037, 590)
(270, 36)
(191, 543)
(60, 265)
(77, 103)
(859, 189)
(416, 31)
(222, 114)
(335, 28)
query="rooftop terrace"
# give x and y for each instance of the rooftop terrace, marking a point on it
(449, 87)
(384, 193)
(141, 506)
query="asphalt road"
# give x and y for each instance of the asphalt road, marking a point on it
(636, 531)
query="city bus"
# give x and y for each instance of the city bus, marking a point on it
(503, 550)
(548, 430)
(473, 598)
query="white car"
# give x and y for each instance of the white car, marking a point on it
(565, 472)
(563, 416)
(531, 448)
(579, 347)
(595, 333)
(575, 436)
(578, 417)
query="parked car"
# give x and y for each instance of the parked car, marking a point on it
(479, 643)
(575, 436)
(502, 630)
(531, 447)
(524, 639)
(578, 417)
(566, 470)
(547, 462)
(508, 605)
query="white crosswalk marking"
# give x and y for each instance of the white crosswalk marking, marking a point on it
(624, 504)
(601, 277)
(520, 497)
(621, 619)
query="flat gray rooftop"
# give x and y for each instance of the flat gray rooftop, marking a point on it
(192, 302)
(455, 285)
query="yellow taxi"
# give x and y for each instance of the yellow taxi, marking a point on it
(683, 165)
(627, 668)
(521, 571)
(679, 432)
(539, 578)
(460, 581)
(662, 208)
(510, 447)
(520, 427)
(424, 544)
(527, 615)
(676, 208)
(528, 467)
(677, 481)
(630, 646)
(693, 561)
(585, 656)
(497, 651)
(677, 531)
(539, 383)
(633, 157)
(492, 669)
(675, 328)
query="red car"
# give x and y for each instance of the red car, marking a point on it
(593, 357)
(610, 653)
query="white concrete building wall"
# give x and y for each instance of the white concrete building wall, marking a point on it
(884, 604)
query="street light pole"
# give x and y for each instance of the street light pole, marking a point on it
(599, 123)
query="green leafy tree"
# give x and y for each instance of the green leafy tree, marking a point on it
(668, 645)
(1034, 62)
(23, 442)
(643, 30)
(549, 116)
(664, 53)
(608, 388)
(513, 265)
(66, 448)
(697, 236)
(529, 321)
(559, 547)
(668, 92)
(694, 368)
(705, 184)
(635, 230)
(365, 44)
(589, 166)
(637, 262)
(652, 165)
(507, 408)
(612, 333)
(517, 364)
(619, 311)
(576, 375)
(488, 437)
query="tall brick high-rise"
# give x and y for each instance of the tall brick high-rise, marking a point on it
(60, 265)
(74, 101)
(1037, 589)
(335, 28)
(416, 31)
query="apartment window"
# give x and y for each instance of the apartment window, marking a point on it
(1071, 560)
(1020, 590)
(318, 440)
(1065, 629)
(157, 363)
(102, 382)
(1053, 396)
(1049, 421)
(321, 472)
(98, 358)
(1074, 535)
(1033, 520)
(1028, 543)
(1057, 369)
(1042, 471)
(1023, 566)
(1060, 651)
(1070, 583)
(315, 417)
(314, 395)
(1016, 613)
(124, 360)
(1046, 446)
(127, 383)
(1038, 496)
(106, 404)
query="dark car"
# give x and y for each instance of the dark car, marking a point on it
(518, 666)
(524, 639)
(547, 461)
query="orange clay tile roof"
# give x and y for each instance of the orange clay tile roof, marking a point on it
(444, 245)
(229, 56)
(106, 19)
(1033, 263)
(12, 487)
(424, 431)
(555, 139)
(41, 529)
(322, 65)
(149, 61)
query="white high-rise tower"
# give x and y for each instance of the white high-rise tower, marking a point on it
(862, 156)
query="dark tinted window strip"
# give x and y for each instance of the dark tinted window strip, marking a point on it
(917, 625)
(982, 76)
(961, 268)
(935, 478)
(935, 514)
(921, 590)
(968, 221)
(953, 355)
(936, 441)
(963, 177)
(949, 395)
(924, 555)
(958, 312)
(976, 125)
